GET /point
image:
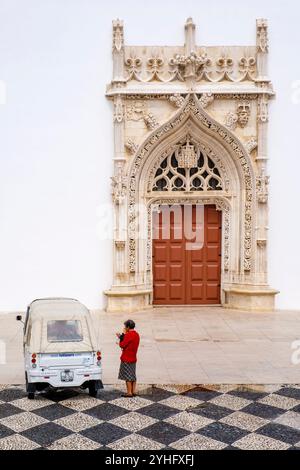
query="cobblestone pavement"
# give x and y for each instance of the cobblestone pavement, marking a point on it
(182, 417)
(212, 345)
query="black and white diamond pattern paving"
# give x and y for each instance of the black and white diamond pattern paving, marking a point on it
(184, 417)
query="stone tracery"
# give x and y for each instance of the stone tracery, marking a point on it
(187, 168)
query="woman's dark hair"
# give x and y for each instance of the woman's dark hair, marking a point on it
(129, 324)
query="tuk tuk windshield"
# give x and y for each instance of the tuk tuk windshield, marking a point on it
(64, 330)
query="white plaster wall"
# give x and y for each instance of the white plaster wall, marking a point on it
(56, 141)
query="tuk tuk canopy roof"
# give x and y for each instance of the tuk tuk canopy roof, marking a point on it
(43, 311)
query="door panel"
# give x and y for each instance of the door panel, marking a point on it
(185, 272)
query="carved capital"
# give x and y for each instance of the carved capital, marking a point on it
(206, 99)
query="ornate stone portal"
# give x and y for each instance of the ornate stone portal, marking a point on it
(208, 108)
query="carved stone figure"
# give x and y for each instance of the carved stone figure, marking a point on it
(131, 146)
(119, 185)
(262, 183)
(243, 113)
(189, 66)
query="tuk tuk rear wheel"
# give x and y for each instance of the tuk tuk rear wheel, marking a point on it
(30, 388)
(92, 389)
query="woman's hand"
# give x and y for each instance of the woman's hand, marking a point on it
(118, 335)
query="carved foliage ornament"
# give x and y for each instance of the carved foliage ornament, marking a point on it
(262, 183)
(119, 184)
(186, 167)
(251, 144)
(263, 114)
(137, 111)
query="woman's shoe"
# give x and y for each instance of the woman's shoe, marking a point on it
(127, 396)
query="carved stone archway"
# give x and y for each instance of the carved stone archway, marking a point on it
(141, 143)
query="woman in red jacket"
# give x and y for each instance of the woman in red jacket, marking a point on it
(129, 343)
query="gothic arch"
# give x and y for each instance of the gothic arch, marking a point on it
(238, 192)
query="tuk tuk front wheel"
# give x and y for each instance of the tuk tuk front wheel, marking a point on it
(31, 396)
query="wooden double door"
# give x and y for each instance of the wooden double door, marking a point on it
(186, 255)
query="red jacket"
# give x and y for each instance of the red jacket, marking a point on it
(130, 344)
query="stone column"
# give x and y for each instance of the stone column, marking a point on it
(262, 178)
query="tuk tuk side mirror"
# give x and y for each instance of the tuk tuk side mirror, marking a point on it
(19, 318)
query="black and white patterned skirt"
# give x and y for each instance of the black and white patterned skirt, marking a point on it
(127, 371)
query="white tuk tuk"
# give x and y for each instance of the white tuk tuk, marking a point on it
(60, 346)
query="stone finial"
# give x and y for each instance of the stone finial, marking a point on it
(262, 35)
(118, 35)
(189, 36)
